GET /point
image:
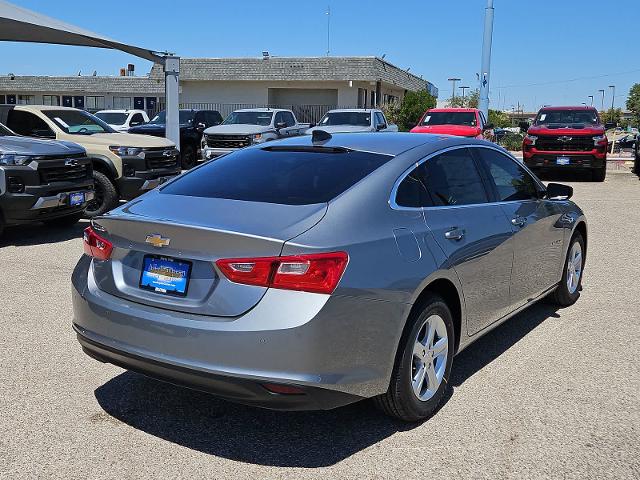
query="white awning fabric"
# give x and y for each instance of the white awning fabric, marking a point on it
(18, 24)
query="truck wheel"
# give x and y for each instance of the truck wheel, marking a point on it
(67, 221)
(423, 364)
(188, 158)
(106, 196)
(600, 174)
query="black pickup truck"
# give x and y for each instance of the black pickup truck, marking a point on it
(42, 180)
(192, 124)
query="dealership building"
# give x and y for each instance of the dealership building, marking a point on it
(315, 83)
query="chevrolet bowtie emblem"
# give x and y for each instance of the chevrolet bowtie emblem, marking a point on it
(157, 240)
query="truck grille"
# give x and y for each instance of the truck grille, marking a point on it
(565, 143)
(228, 141)
(65, 173)
(157, 158)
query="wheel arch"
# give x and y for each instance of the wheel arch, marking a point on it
(105, 166)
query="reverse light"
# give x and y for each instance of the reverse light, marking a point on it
(315, 273)
(95, 246)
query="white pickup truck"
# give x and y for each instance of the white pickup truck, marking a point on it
(350, 120)
(248, 127)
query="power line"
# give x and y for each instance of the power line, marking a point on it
(577, 79)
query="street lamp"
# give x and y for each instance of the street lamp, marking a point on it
(613, 95)
(602, 92)
(453, 88)
(591, 97)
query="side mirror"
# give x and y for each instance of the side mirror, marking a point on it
(200, 126)
(524, 126)
(43, 134)
(488, 126)
(311, 125)
(280, 125)
(135, 124)
(380, 126)
(558, 191)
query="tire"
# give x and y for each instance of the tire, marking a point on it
(188, 158)
(567, 294)
(600, 174)
(67, 221)
(400, 400)
(106, 196)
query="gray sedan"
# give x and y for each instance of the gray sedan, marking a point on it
(317, 271)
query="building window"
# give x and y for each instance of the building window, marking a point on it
(94, 103)
(362, 97)
(122, 103)
(3, 99)
(51, 100)
(26, 99)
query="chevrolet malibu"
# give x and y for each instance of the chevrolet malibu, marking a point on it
(317, 271)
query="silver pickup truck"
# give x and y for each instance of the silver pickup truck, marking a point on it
(248, 127)
(351, 120)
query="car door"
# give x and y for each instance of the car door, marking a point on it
(538, 235)
(473, 232)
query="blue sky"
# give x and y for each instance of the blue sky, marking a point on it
(538, 46)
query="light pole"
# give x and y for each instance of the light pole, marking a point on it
(591, 97)
(486, 59)
(453, 88)
(602, 107)
(613, 95)
(464, 89)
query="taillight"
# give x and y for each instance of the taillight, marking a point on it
(316, 273)
(95, 246)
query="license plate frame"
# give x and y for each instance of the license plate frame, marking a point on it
(77, 198)
(163, 284)
(563, 160)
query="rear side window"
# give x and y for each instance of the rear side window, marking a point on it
(412, 191)
(453, 179)
(512, 182)
(274, 175)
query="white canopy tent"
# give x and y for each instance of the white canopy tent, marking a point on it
(18, 24)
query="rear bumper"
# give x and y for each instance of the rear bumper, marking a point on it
(343, 346)
(238, 390)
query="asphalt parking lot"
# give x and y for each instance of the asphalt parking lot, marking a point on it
(550, 394)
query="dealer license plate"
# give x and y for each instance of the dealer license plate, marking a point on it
(165, 275)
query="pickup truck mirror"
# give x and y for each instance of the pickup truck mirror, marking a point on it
(43, 134)
(558, 191)
(200, 126)
(311, 125)
(524, 126)
(135, 124)
(380, 126)
(488, 126)
(280, 125)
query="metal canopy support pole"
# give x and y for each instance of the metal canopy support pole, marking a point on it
(486, 59)
(172, 91)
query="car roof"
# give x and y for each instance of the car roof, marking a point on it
(357, 110)
(453, 109)
(39, 107)
(384, 143)
(262, 109)
(577, 107)
(121, 110)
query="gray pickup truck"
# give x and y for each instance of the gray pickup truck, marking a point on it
(248, 127)
(352, 120)
(42, 180)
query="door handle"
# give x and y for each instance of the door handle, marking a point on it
(454, 234)
(519, 221)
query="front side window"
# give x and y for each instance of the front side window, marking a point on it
(380, 118)
(185, 117)
(512, 182)
(78, 122)
(453, 179)
(28, 124)
(288, 118)
(277, 175)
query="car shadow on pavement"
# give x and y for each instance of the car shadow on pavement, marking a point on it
(285, 439)
(38, 234)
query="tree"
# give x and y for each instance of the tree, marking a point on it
(613, 115)
(469, 101)
(633, 103)
(499, 119)
(413, 106)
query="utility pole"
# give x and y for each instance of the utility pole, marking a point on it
(464, 89)
(453, 88)
(486, 59)
(328, 13)
(591, 97)
(602, 106)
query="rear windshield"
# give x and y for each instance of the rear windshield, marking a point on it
(450, 118)
(567, 117)
(276, 176)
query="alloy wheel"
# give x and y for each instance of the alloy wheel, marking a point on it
(430, 351)
(574, 267)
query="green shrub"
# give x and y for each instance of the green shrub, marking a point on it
(512, 141)
(411, 109)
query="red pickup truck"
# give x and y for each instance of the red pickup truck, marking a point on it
(461, 122)
(567, 138)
